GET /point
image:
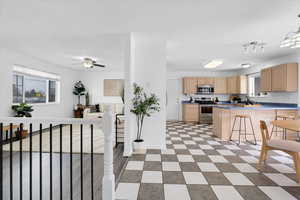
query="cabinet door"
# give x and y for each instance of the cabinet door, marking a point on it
(210, 81)
(292, 77)
(190, 112)
(189, 85)
(232, 85)
(205, 81)
(241, 85)
(266, 80)
(279, 78)
(220, 85)
(201, 81)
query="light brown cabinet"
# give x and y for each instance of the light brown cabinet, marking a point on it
(266, 80)
(206, 81)
(220, 85)
(237, 85)
(190, 85)
(190, 112)
(284, 78)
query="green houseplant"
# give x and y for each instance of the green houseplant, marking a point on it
(79, 90)
(22, 110)
(143, 106)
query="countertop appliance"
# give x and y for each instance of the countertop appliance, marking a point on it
(205, 89)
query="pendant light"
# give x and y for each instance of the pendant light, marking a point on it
(291, 40)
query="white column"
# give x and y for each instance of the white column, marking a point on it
(129, 80)
(145, 65)
(108, 182)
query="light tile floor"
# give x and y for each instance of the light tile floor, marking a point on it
(198, 166)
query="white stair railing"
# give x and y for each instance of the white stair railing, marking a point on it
(107, 125)
(108, 182)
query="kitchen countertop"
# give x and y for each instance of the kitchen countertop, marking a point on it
(264, 106)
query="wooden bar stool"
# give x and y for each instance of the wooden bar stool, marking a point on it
(282, 117)
(243, 132)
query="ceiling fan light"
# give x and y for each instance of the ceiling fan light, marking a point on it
(87, 65)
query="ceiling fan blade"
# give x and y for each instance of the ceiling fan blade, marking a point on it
(79, 63)
(98, 65)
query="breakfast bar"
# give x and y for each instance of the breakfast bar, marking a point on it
(223, 119)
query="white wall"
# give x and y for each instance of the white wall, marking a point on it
(94, 82)
(68, 78)
(147, 67)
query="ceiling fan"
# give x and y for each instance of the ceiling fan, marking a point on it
(89, 62)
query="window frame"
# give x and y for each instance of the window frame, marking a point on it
(57, 88)
(251, 85)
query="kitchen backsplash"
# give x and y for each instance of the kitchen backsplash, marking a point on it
(277, 97)
(271, 97)
(221, 97)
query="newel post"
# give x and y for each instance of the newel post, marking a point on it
(108, 182)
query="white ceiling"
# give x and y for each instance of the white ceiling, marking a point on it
(197, 31)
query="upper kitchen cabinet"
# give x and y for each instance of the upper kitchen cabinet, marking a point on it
(220, 85)
(237, 85)
(190, 85)
(266, 80)
(285, 78)
(206, 81)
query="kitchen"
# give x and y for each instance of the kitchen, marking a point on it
(205, 99)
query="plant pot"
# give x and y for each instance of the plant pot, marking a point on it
(22, 134)
(138, 146)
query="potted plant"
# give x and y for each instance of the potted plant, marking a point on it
(79, 90)
(22, 110)
(143, 106)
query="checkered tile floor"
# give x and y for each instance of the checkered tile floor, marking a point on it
(197, 166)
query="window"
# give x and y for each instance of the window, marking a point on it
(52, 91)
(17, 89)
(35, 90)
(32, 89)
(254, 85)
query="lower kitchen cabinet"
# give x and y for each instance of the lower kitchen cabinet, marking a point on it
(190, 112)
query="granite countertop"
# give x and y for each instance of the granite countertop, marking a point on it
(264, 106)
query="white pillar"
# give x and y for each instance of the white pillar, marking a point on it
(145, 65)
(129, 80)
(108, 182)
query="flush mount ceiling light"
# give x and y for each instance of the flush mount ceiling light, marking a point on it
(246, 65)
(213, 64)
(254, 47)
(292, 39)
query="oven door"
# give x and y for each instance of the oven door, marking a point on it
(206, 114)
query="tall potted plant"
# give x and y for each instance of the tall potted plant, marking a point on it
(143, 106)
(79, 90)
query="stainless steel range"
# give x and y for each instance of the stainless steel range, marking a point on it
(205, 110)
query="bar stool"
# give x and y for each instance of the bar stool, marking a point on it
(243, 118)
(282, 117)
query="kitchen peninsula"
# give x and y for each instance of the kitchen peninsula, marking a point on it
(223, 118)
